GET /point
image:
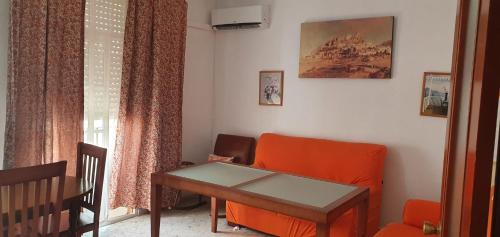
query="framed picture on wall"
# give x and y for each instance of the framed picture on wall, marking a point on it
(435, 94)
(271, 88)
(352, 49)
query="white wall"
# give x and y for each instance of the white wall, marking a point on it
(198, 83)
(4, 38)
(199, 11)
(377, 111)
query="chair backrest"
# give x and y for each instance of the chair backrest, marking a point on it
(31, 194)
(241, 148)
(90, 165)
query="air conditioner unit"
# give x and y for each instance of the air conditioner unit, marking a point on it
(249, 17)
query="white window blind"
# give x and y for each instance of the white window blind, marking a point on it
(104, 31)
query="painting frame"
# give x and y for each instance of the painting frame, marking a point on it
(278, 74)
(360, 48)
(444, 100)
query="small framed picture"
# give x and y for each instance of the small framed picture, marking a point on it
(435, 94)
(271, 88)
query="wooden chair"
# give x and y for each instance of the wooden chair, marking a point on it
(90, 165)
(28, 195)
(239, 147)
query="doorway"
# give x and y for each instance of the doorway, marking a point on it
(467, 205)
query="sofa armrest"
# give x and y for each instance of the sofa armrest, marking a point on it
(418, 211)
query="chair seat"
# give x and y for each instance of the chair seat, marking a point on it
(399, 230)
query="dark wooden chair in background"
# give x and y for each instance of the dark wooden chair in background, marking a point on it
(239, 147)
(90, 165)
(31, 189)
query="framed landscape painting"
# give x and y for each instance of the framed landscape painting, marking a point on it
(271, 88)
(435, 94)
(357, 48)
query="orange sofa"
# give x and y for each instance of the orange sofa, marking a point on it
(343, 162)
(414, 214)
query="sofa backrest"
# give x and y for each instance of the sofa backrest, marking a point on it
(343, 162)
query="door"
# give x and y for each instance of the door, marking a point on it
(471, 129)
(104, 33)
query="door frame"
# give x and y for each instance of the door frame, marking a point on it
(482, 113)
(453, 114)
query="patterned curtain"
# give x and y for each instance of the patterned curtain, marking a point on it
(45, 82)
(150, 116)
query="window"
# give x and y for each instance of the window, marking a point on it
(104, 32)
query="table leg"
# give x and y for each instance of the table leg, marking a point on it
(156, 193)
(322, 230)
(362, 218)
(214, 213)
(74, 215)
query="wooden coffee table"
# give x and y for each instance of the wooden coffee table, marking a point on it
(310, 199)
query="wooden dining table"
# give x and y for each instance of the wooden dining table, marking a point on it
(315, 200)
(75, 189)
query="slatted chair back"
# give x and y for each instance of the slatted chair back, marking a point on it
(91, 162)
(28, 196)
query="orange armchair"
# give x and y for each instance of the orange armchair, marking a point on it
(415, 213)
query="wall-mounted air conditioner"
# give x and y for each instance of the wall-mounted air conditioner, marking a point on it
(240, 18)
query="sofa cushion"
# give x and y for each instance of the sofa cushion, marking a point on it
(213, 158)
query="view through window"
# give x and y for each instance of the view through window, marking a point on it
(104, 32)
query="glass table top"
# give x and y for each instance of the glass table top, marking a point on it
(306, 191)
(221, 173)
(300, 190)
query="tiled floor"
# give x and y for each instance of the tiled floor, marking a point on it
(193, 223)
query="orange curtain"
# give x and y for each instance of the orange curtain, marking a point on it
(150, 116)
(45, 82)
